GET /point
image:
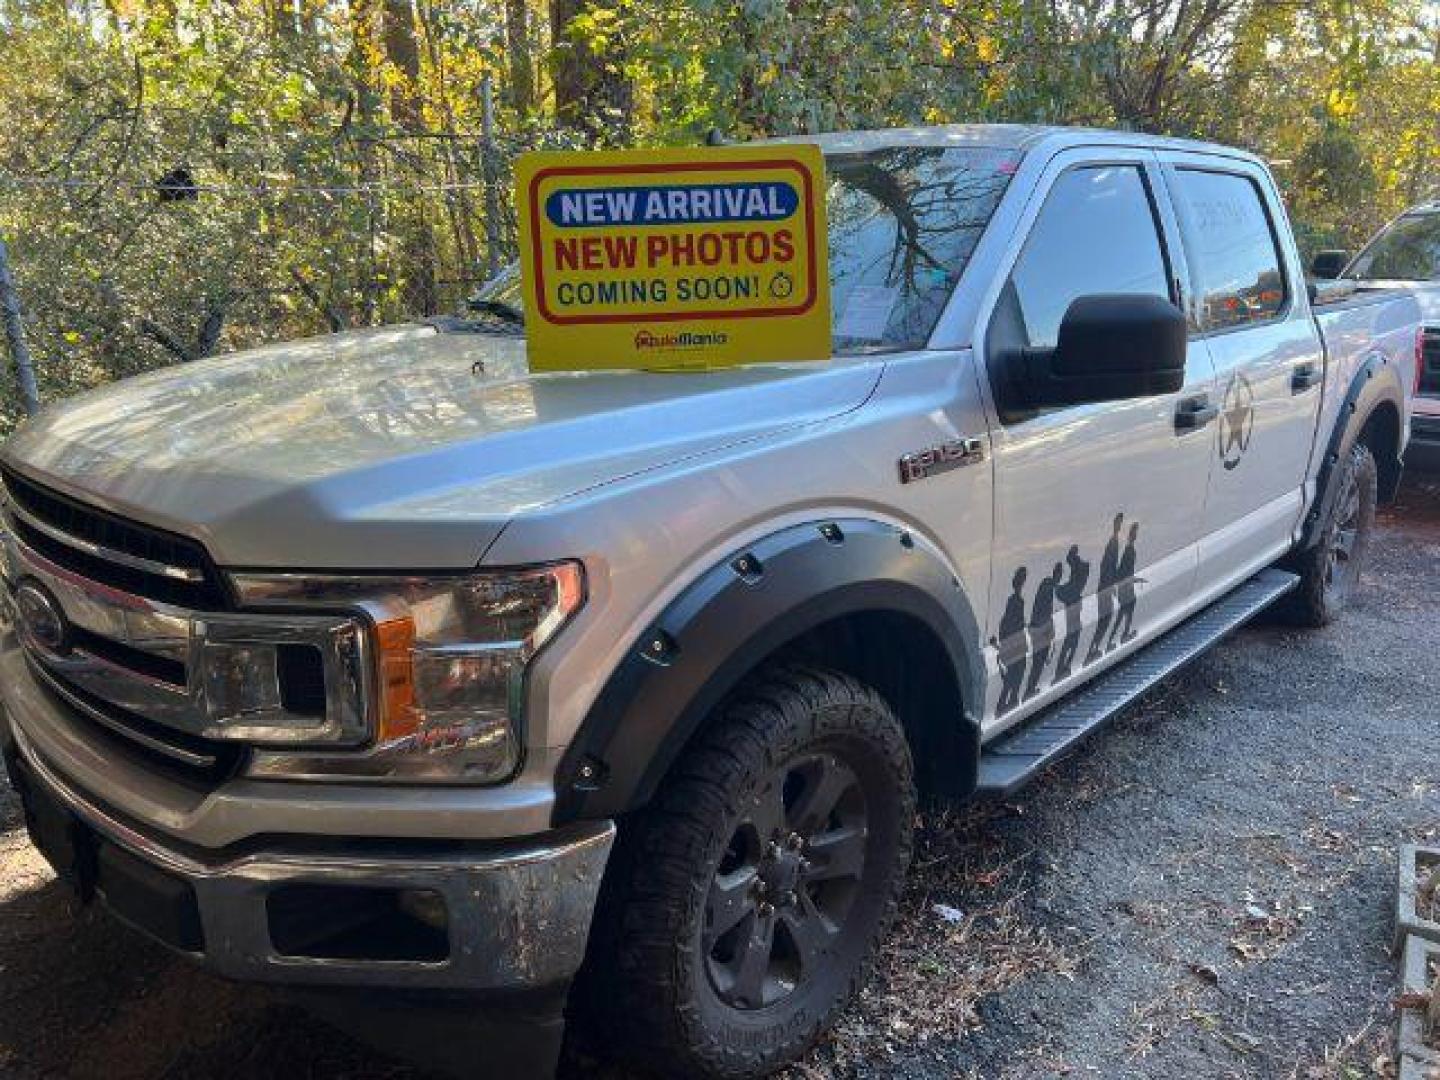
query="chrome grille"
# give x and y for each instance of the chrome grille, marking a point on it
(182, 682)
(102, 546)
(1429, 380)
(182, 757)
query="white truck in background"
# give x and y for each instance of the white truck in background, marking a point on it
(383, 666)
(1405, 254)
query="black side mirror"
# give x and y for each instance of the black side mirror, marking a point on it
(1326, 265)
(1110, 348)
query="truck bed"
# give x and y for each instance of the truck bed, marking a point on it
(1356, 324)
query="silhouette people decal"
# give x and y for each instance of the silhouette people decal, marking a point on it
(1109, 573)
(1042, 628)
(1011, 649)
(1025, 644)
(1071, 594)
(1126, 592)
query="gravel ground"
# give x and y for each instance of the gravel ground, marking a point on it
(1202, 892)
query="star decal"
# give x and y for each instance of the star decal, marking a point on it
(1237, 420)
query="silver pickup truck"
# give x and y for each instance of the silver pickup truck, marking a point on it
(379, 665)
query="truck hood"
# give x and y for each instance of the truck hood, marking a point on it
(399, 448)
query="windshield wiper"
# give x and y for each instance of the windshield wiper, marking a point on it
(498, 309)
(458, 324)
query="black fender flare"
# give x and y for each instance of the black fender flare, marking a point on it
(727, 621)
(1376, 383)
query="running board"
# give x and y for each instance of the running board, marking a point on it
(1019, 756)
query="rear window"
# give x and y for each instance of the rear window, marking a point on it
(1232, 243)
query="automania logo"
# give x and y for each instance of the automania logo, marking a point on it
(685, 339)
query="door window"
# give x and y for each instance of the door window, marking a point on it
(1233, 247)
(1097, 233)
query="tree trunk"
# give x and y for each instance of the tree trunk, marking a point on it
(402, 50)
(402, 54)
(15, 335)
(591, 89)
(282, 17)
(361, 63)
(518, 50)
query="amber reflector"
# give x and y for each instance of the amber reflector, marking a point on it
(396, 638)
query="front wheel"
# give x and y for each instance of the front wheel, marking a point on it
(1330, 570)
(746, 903)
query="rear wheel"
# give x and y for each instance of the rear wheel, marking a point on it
(1331, 569)
(745, 904)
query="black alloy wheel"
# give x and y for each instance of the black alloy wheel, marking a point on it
(787, 881)
(1342, 567)
(742, 908)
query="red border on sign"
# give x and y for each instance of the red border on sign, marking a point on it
(689, 166)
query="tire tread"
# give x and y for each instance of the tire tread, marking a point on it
(1309, 604)
(647, 1001)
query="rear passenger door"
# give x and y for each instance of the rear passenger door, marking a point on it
(1251, 313)
(1097, 506)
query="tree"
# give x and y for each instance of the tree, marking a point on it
(334, 145)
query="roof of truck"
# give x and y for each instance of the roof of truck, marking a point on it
(1022, 137)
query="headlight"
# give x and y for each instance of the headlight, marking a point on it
(451, 655)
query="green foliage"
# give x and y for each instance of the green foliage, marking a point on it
(342, 177)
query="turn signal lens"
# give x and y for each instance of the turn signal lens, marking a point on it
(395, 642)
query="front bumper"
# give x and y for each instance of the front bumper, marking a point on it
(307, 911)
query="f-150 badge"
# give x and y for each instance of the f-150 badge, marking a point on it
(922, 464)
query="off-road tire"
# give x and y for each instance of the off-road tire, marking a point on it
(652, 969)
(1330, 570)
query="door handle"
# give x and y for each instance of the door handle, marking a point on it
(1194, 413)
(1305, 376)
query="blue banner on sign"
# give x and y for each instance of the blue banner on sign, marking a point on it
(674, 204)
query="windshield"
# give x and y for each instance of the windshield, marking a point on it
(903, 224)
(1409, 250)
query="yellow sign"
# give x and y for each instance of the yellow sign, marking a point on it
(674, 258)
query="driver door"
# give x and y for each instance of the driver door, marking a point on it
(1098, 507)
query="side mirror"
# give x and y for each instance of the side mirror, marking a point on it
(1110, 348)
(1326, 265)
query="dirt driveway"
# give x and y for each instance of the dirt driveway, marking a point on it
(1201, 893)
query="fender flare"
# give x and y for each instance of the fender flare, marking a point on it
(1377, 382)
(727, 621)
